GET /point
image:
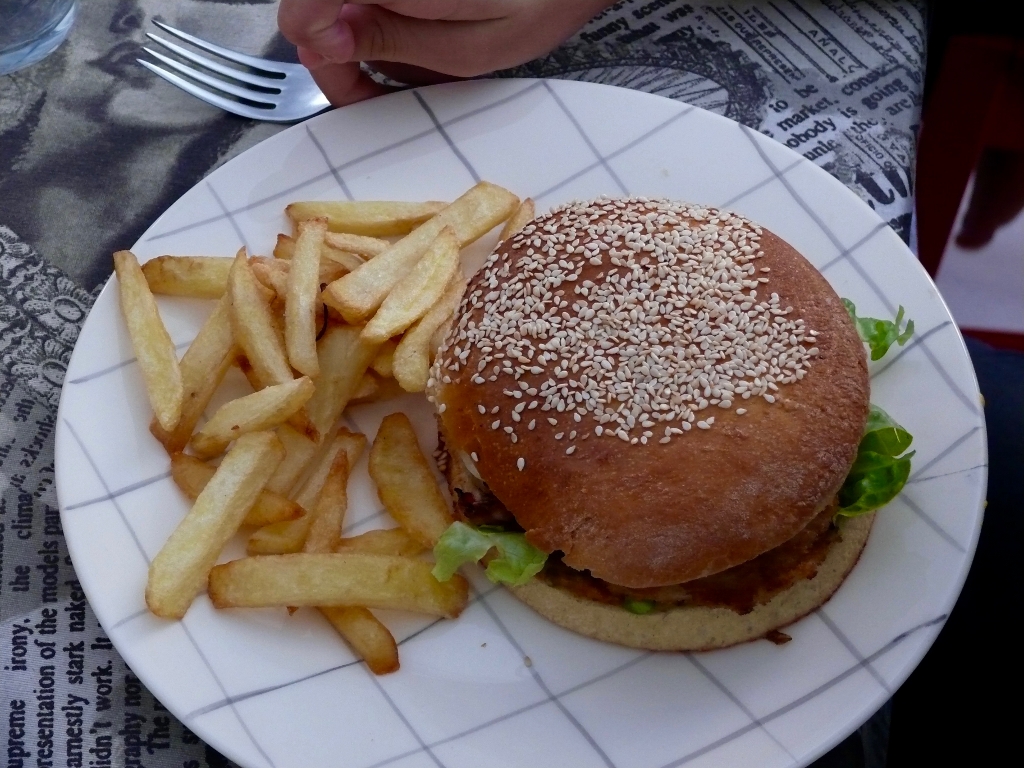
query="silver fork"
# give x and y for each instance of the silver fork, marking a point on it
(285, 94)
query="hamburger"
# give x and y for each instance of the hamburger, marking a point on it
(650, 414)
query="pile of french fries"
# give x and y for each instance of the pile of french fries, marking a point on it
(339, 315)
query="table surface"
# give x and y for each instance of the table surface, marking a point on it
(93, 148)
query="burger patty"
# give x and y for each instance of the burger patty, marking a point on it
(740, 588)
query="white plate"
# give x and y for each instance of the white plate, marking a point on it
(266, 689)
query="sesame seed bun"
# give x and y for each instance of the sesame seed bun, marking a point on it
(666, 491)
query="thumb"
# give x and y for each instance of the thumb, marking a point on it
(314, 25)
(454, 48)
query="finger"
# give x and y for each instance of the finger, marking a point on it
(463, 49)
(450, 10)
(315, 25)
(345, 83)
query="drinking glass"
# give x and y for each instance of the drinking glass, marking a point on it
(32, 29)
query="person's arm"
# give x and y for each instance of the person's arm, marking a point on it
(457, 38)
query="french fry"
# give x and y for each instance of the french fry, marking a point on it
(332, 579)
(360, 628)
(200, 277)
(525, 213)
(271, 276)
(383, 389)
(367, 636)
(360, 245)
(284, 247)
(358, 294)
(254, 326)
(413, 295)
(329, 511)
(299, 451)
(352, 443)
(191, 475)
(366, 217)
(392, 541)
(279, 538)
(284, 250)
(250, 375)
(153, 346)
(344, 357)
(302, 298)
(202, 368)
(367, 390)
(180, 569)
(252, 413)
(383, 363)
(405, 483)
(282, 538)
(437, 337)
(411, 362)
(328, 271)
(344, 261)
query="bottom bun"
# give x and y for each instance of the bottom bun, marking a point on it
(701, 628)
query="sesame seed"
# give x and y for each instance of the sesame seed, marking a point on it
(521, 463)
(671, 326)
(495, 424)
(443, 407)
(481, 409)
(570, 449)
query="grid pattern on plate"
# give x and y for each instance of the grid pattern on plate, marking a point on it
(859, 659)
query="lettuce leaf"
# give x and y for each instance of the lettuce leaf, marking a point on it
(879, 335)
(516, 563)
(639, 607)
(883, 435)
(879, 471)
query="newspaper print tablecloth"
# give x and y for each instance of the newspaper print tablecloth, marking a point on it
(839, 82)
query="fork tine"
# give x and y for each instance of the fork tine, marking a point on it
(227, 105)
(213, 82)
(226, 53)
(213, 66)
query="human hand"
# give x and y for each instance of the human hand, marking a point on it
(420, 39)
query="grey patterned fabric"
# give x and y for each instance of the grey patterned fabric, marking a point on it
(41, 313)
